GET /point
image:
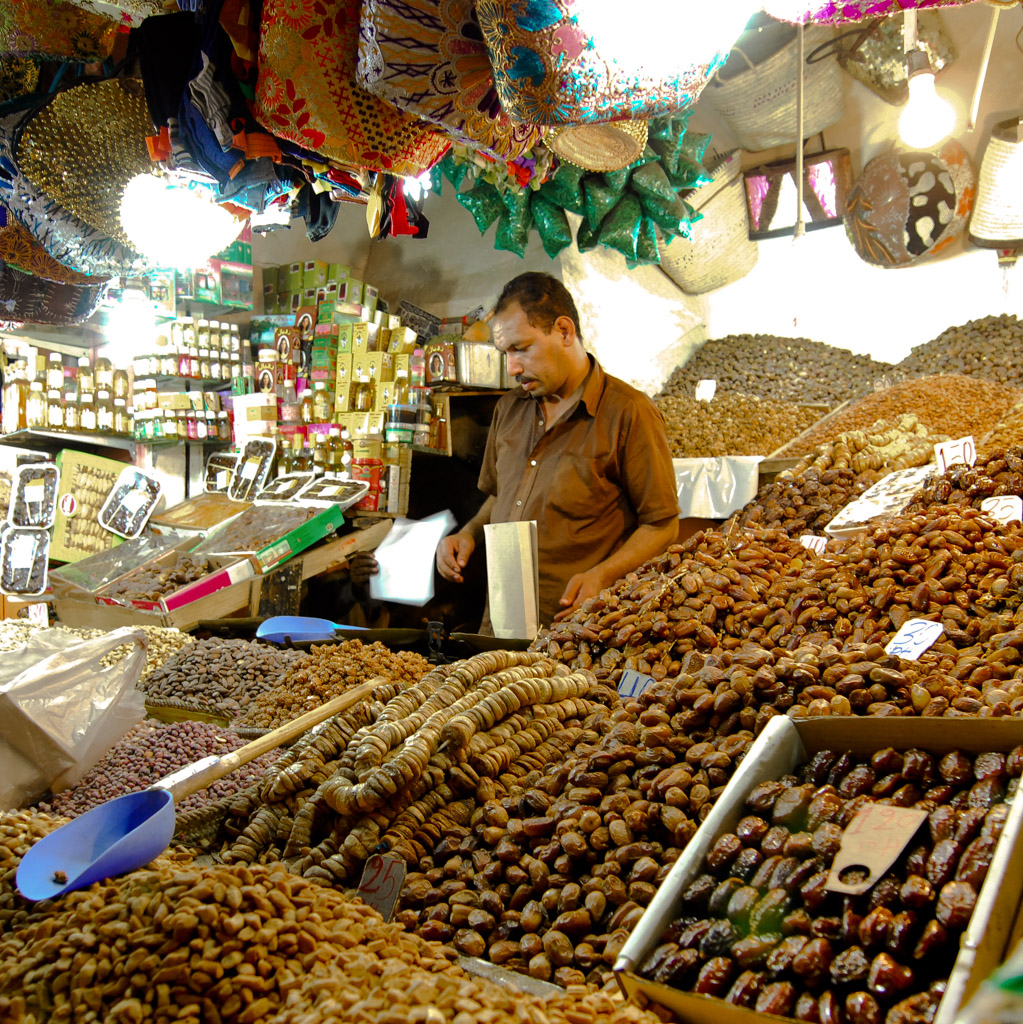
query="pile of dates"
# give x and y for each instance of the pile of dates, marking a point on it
(760, 929)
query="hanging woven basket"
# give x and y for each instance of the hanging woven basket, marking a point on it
(997, 221)
(599, 147)
(759, 102)
(718, 250)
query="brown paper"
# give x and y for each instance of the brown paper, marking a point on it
(512, 580)
(874, 840)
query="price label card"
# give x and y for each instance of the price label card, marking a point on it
(882, 383)
(39, 613)
(705, 390)
(1006, 508)
(382, 879)
(915, 637)
(632, 683)
(871, 845)
(222, 479)
(814, 544)
(954, 453)
(329, 492)
(134, 500)
(23, 552)
(250, 469)
(35, 492)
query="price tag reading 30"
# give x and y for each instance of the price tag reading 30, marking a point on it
(954, 453)
(382, 879)
(1006, 508)
(915, 637)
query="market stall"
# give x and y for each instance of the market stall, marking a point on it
(249, 257)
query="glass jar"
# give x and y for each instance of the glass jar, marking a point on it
(86, 378)
(204, 364)
(200, 426)
(122, 423)
(347, 454)
(120, 385)
(104, 374)
(319, 454)
(193, 362)
(35, 406)
(184, 362)
(215, 372)
(202, 334)
(305, 406)
(211, 426)
(236, 339)
(236, 365)
(215, 336)
(177, 424)
(223, 427)
(104, 413)
(54, 410)
(140, 365)
(191, 425)
(87, 413)
(54, 371)
(169, 356)
(187, 333)
(14, 404)
(363, 396)
(291, 411)
(72, 410)
(321, 403)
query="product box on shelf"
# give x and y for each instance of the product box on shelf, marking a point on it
(350, 290)
(441, 363)
(401, 340)
(206, 283)
(338, 272)
(360, 339)
(236, 288)
(348, 313)
(269, 275)
(786, 743)
(85, 482)
(373, 366)
(314, 273)
(326, 293)
(370, 297)
(289, 277)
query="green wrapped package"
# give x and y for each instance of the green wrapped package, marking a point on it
(513, 227)
(688, 176)
(620, 229)
(565, 188)
(484, 203)
(651, 180)
(437, 177)
(600, 198)
(671, 216)
(551, 224)
(452, 170)
(585, 238)
(646, 245)
(694, 147)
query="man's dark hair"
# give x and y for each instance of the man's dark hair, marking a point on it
(543, 299)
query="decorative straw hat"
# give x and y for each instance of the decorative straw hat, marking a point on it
(84, 147)
(599, 147)
(20, 250)
(23, 297)
(998, 215)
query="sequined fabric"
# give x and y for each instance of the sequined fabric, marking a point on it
(27, 298)
(19, 250)
(50, 28)
(130, 13)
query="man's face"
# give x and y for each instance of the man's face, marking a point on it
(537, 359)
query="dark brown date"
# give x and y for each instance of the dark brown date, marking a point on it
(718, 939)
(751, 830)
(858, 781)
(888, 978)
(873, 930)
(724, 851)
(916, 892)
(781, 957)
(745, 989)
(887, 762)
(696, 897)
(941, 823)
(975, 861)
(777, 998)
(941, 865)
(774, 841)
(715, 977)
(824, 807)
(791, 806)
(829, 1007)
(717, 905)
(746, 864)
(933, 941)
(955, 768)
(766, 916)
(827, 840)
(955, 905)
(990, 765)
(862, 1008)
(986, 793)
(754, 950)
(918, 766)
(678, 968)
(902, 934)
(850, 965)
(806, 1009)
(813, 960)
(762, 799)
(741, 905)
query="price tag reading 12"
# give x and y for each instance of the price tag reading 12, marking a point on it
(915, 637)
(954, 453)
(1006, 508)
(382, 879)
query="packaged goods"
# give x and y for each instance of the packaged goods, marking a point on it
(220, 470)
(85, 483)
(257, 527)
(33, 500)
(254, 465)
(24, 558)
(200, 514)
(130, 503)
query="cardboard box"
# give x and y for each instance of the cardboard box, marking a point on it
(360, 338)
(206, 284)
(782, 745)
(350, 290)
(259, 408)
(338, 272)
(269, 276)
(441, 364)
(326, 294)
(289, 277)
(383, 396)
(366, 448)
(344, 368)
(344, 338)
(314, 274)
(402, 340)
(348, 312)
(377, 366)
(402, 365)
(85, 482)
(370, 297)
(236, 285)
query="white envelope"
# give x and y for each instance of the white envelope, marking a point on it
(512, 579)
(406, 559)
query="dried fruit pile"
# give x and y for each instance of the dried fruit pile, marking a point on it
(326, 673)
(1000, 472)
(987, 348)
(759, 928)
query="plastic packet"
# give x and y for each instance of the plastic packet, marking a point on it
(130, 503)
(484, 203)
(284, 488)
(620, 229)
(257, 527)
(513, 227)
(96, 571)
(24, 556)
(253, 469)
(332, 490)
(220, 470)
(565, 188)
(552, 225)
(601, 198)
(34, 495)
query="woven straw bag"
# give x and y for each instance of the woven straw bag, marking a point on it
(997, 221)
(718, 250)
(759, 102)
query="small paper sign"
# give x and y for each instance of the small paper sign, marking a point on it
(23, 552)
(705, 390)
(871, 845)
(915, 637)
(382, 879)
(633, 683)
(1006, 508)
(222, 479)
(134, 500)
(35, 492)
(954, 453)
(250, 469)
(39, 613)
(69, 505)
(814, 544)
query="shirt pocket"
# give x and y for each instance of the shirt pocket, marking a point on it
(582, 489)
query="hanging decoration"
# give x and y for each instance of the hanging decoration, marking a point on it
(24, 297)
(834, 12)
(908, 207)
(628, 210)
(129, 13)
(20, 251)
(558, 62)
(51, 29)
(997, 221)
(427, 58)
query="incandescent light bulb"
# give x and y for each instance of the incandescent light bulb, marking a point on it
(927, 119)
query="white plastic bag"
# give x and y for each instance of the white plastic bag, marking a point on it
(60, 712)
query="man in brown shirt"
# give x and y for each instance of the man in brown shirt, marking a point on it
(581, 452)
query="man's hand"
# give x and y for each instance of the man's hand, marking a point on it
(361, 566)
(453, 555)
(581, 586)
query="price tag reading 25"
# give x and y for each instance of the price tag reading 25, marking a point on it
(382, 879)
(915, 637)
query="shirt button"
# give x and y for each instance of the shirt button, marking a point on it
(532, 462)
(518, 503)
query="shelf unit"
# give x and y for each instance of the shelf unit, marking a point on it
(53, 439)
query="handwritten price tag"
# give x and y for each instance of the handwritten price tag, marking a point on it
(633, 683)
(915, 637)
(814, 544)
(871, 845)
(705, 390)
(1006, 508)
(35, 492)
(382, 879)
(954, 453)
(39, 613)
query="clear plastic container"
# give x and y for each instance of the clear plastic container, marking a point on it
(54, 371)
(122, 421)
(35, 406)
(223, 427)
(121, 385)
(104, 374)
(86, 378)
(72, 410)
(87, 413)
(54, 410)
(104, 413)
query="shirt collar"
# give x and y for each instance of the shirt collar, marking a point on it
(593, 387)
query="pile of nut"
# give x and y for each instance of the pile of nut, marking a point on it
(761, 929)
(945, 404)
(778, 369)
(1006, 432)
(326, 673)
(239, 945)
(221, 677)
(150, 583)
(987, 348)
(731, 424)
(149, 751)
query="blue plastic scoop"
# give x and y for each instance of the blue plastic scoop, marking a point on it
(298, 628)
(129, 831)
